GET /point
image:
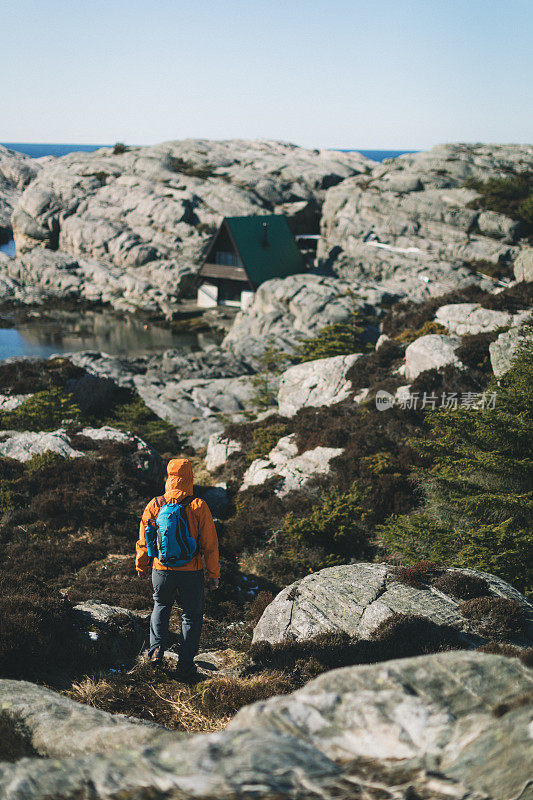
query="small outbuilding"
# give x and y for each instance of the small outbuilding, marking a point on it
(244, 253)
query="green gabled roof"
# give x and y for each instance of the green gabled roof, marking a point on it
(278, 260)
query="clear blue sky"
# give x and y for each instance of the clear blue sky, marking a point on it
(340, 73)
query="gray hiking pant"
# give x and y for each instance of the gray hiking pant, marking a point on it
(189, 586)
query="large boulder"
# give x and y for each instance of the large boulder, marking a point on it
(293, 471)
(145, 215)
(24, 445)
(322, 382)
(195, 405)
(504, 349)
(56, 727)
(471, 318)
(219, 449)
(523, 266)
(411, 224)
(356, 598)
(285, 310)
(450, 726)
(430, 352)
(452, 720)
(121, 633)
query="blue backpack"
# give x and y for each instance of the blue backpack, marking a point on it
(168, 537)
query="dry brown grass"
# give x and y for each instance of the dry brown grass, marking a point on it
(154, 694)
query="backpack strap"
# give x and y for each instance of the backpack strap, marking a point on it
(161, 501)
(185, 502)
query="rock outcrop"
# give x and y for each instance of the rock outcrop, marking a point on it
(504, 349)
(194, 405)
(356, 598)
(449, 725)
(523, 266)
(133, 225)
(286, 310)
(16, 171)
(293, 471)
(321, 382)
(410, 224)
(470, 318)
(219, 449)
(24, 445)
(430, 352)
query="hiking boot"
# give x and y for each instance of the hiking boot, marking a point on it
(156, 658)
(188, 674)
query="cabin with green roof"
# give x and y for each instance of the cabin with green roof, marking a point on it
(244, 253)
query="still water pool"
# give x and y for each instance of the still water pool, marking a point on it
(43, 334)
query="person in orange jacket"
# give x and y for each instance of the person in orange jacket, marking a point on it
(186, 581)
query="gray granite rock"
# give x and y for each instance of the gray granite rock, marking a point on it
(16, 171)
(321, 382)
(219, 448)
(503, 350)
(430, 352)
(410, 225)
(22, 446)
(294, 472)
(96, 619)
(414, 727)
(471, 318)
(60, 728)
(434, 712)
(9, 402)
(523, 265)
(356, 598)
(197, 406)
(285, 310)
(141, 219)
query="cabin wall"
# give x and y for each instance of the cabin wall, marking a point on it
(224, 293)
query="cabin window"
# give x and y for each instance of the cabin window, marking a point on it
(227, 258)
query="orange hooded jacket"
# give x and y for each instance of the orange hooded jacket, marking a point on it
(178, 486)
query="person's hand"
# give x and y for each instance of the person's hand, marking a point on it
(212, 584)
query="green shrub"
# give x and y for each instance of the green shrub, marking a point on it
(478, 509)
(430, 326)
(265, 382)
(119, 149)
(45, 411)
(135, 417)
(264, 439)
(338, 339)
(338, 522)
(525, 210)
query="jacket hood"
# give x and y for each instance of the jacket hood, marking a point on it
(179, 480)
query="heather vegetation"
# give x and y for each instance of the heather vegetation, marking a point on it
(512, 196)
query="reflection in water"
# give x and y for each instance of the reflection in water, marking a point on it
(92, 330)
(9, 248)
